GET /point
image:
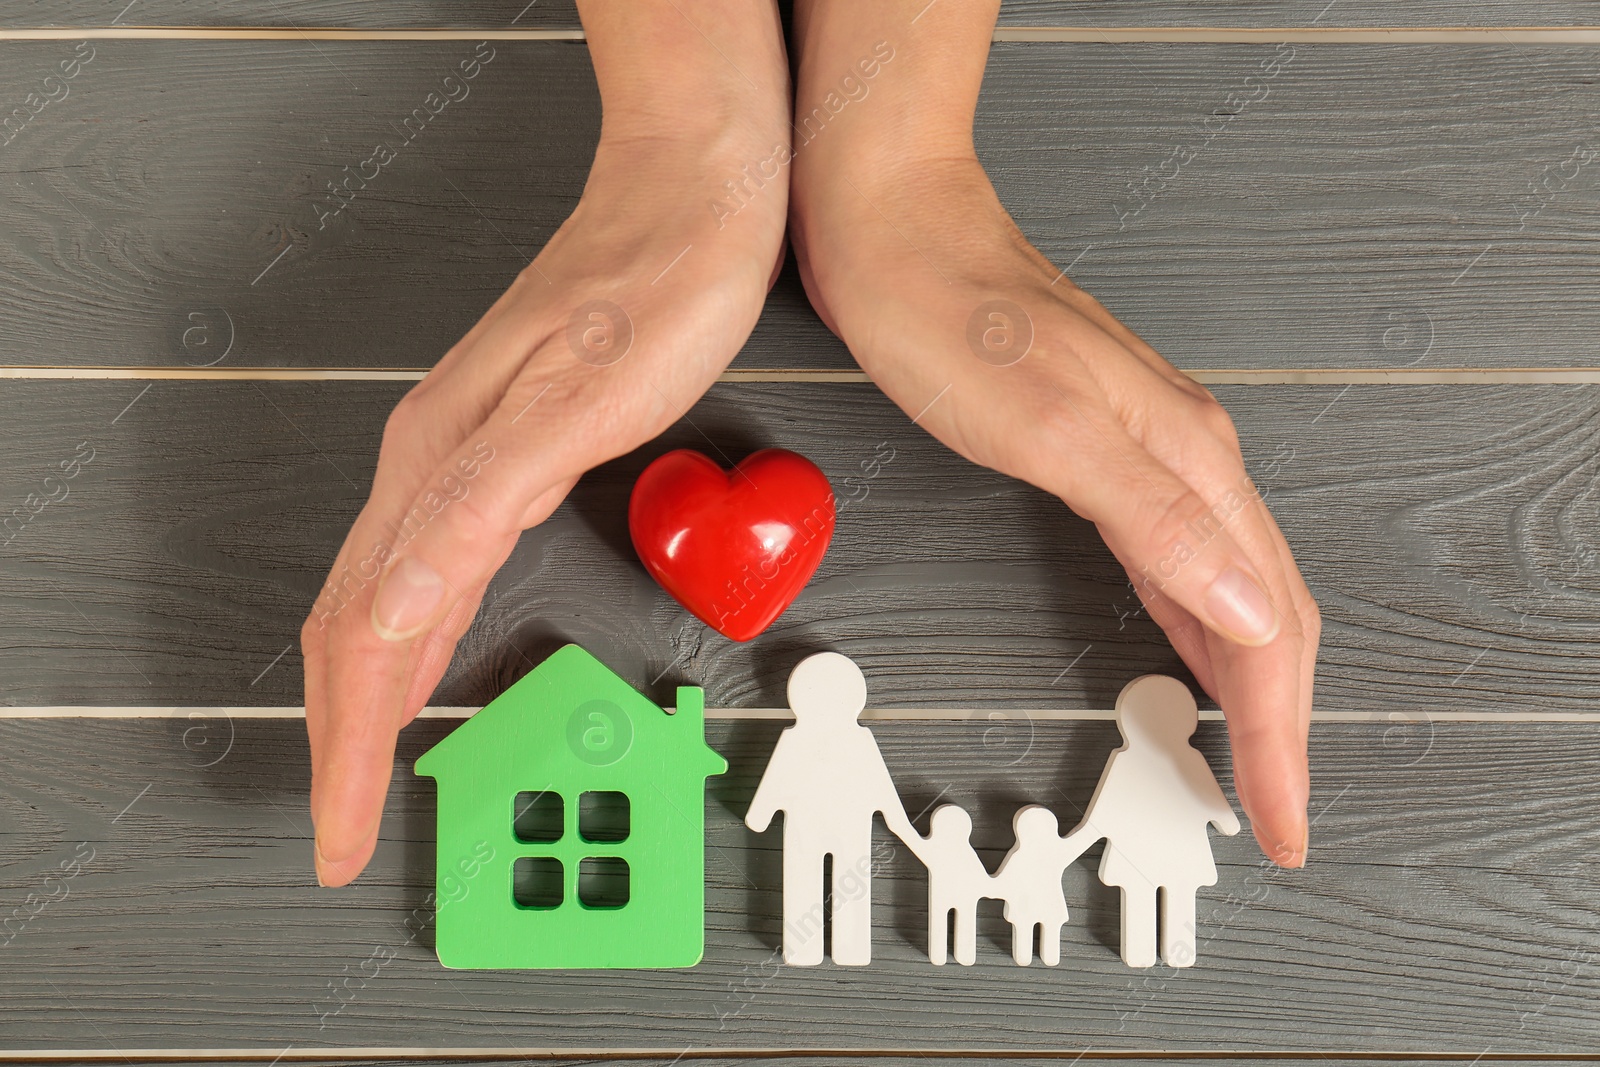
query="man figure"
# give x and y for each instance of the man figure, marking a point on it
(828, 778)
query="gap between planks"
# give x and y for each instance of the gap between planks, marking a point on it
(358, 1054)
(1215, 376)
(783, 714)
(1466, 35)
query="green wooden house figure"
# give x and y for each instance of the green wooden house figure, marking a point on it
(571, 825)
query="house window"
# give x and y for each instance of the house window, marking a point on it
(603, 817)
(603, 882)
(536, 882)
(536, 817)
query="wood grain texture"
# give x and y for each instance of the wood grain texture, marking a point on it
(563, 13)
(1297, 13)
(1417, 227)
(1445, 533)
(1362, 207)
(1448, 907)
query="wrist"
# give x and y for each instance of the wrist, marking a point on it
(886, 85)
(712, 73)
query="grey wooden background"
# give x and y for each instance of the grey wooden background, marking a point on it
(1384, 207)
(1381, 206)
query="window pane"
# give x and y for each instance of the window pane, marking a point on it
(603, 882)
(603, 816)
(536, 882)
(536, 817)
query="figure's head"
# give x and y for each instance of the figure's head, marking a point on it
(952, 820)
(1034, 822)
(827, 689)
(1156, 709)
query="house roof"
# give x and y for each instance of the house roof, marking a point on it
(545, 716)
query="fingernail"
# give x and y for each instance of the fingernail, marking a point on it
(1239, 607)
(318, 862)
(407, 597)
(1293, 858)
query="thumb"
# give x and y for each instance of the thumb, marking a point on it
(452, 537)
(1173, 542)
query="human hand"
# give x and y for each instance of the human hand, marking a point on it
(624, 319)
(909, 256)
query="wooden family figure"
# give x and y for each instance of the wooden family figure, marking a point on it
(1154, 801)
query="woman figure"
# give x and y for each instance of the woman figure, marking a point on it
(1152, 805)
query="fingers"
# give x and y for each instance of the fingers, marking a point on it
(361, 684)
(363, 681)
(1172, 540)
(431, 653)
(352, 751)
(479, 496)
(1265, 693)
(1191, 497)
(1261, 691)
(385, 662)
(1260, 688)
(1311, 633)
(1185, 632)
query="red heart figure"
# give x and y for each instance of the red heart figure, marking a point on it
(734, 547)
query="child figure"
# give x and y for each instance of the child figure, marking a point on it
(957, 880)
(1152, 805)
(1029, 881)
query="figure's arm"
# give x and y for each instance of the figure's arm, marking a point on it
(762, 809)
(1224, 818)
(886, 799)
(769, 797)
(915, 842)
(894, 817)
(1219, 812)
(1076, 843)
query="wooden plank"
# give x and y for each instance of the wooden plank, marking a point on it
(1347, 215)
(563, 13)
(1442, 530)
(208, 257)
(397, 1058)
(1297, 13)
(1437, 915)
(1308, 229)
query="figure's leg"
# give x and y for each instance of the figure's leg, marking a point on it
(803, 912)
(1050, 943)
(938, 931)
(1177, 926)
(967, 933)
(1022, 942)
(852, 905)
(1139, 924)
